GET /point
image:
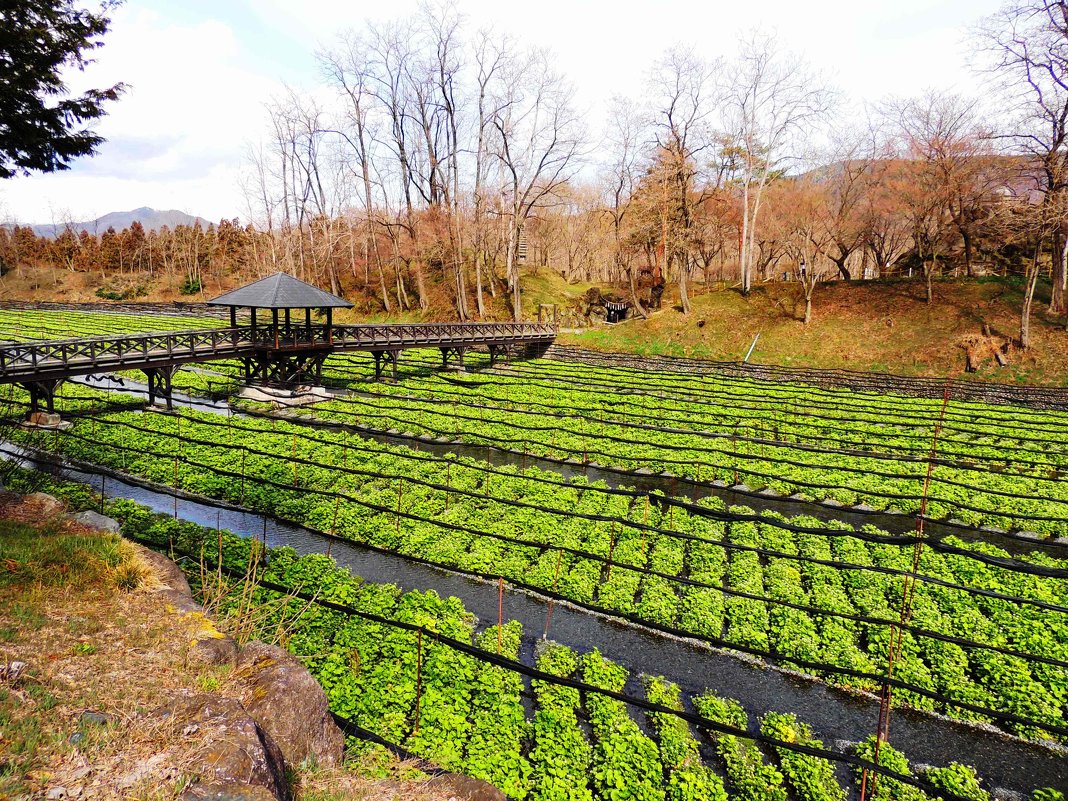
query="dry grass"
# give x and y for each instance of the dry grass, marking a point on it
(81, 610)
(880, 326)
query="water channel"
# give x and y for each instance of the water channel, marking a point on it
(836, 716)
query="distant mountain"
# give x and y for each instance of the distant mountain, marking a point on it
(151, 219)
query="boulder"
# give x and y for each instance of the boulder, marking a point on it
(44, 420)
(227, 792)
(173, 584)
(209, 645)
(465, 788)
(289, 704)
(235, 754)
(212, 647)
(96, 520)
(44, 505)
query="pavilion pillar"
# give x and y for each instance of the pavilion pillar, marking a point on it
(329, 326)
(274, 318)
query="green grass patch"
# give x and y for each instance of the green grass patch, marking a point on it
(53, 558)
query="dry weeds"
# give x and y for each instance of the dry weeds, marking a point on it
(90, 646)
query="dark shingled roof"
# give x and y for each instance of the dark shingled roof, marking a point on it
(280, 291)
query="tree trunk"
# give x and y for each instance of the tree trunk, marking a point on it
(1059, 299)
(478, 285)
(512, 269)
(684, 295)
(1028, 301)
(840, 263)
(967, 237)
(634, 295)
(743, 249)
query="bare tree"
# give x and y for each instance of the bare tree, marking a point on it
(1027, 41)
(684, 99)
(772, 99)
(347, 68)
(391, 47)
(625, 137)
(537, 144)
(492, 56)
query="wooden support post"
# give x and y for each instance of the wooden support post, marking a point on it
(418, 679)
(329, 326)
(500, 612)
(274, 319)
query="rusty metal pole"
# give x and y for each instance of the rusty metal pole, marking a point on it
(294, 460)
(552, 601)
(908, 590)
(418, 679)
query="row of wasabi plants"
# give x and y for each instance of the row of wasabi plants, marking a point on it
(466, 713)
(988, 639)
(996, 466)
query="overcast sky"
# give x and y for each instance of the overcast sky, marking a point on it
(200, 71)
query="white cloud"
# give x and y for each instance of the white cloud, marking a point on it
(198, 85)
(175, 139)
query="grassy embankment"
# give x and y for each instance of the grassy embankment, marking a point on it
(883, 326)
(78, 608)
(877, 326)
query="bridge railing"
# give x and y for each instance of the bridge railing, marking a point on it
(111, 352)
(389, 334)
(110, 349)
(441, 333)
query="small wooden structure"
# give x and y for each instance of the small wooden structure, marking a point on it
(292, 352)
(283, 352)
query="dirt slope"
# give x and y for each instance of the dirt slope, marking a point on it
(879, 326)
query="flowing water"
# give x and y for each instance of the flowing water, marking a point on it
(835, 715)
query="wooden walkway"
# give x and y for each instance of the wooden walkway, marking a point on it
(271, 354)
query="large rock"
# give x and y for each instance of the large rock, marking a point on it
(465, 788)
(289, 704)
(96, 520)
(227, 792)
(173, 584)
(235, 755)
(44, 505)
(209, 645)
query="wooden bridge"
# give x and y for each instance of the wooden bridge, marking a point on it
(280, 354)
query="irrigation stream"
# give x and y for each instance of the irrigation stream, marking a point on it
(835, 715)
(665, 484)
